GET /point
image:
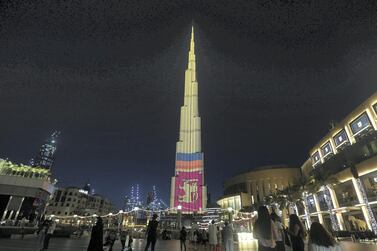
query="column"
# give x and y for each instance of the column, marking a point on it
(6, 208)
(365, 208)
(317, 208)
(335, 202)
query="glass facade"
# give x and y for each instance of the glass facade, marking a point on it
(346, 194)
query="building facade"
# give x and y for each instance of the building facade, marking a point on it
(347, 153)
(188, 190)
(24, 191)
(252, 187)
(72, 201)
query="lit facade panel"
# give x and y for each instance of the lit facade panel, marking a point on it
(326, 149)
(316, 158)
(360, 124)
(341, 138)
(375, 108)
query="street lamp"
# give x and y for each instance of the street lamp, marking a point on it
(120, 225)
(230, 211)
(179, 211)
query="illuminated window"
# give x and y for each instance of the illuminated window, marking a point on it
(340, 138)
(326, 149)
(360, 124)
(316, 158)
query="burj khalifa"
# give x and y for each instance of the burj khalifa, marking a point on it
(188, 190)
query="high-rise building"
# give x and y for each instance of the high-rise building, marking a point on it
(188, 190)
(45, 157)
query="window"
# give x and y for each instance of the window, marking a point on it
(375, 108)
(360, 124)
(341, 138)
(326, 149)
(316, 158)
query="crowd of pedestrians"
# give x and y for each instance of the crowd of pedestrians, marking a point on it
(268, 229)
(272, 236)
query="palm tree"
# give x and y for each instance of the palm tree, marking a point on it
(322, 179)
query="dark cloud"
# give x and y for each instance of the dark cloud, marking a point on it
(109, 75)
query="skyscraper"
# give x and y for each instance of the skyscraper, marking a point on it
(45, 157)
(188, 190)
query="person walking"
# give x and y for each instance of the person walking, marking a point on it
(264, 230)
(321, 240)
(212, 232)
(297, 233)
(152, 233)
(278, 226)
(96, 238)
(110, 240)
(50, 232)
(227, 237)
(123, 238)
(41, 233)
(182, 237)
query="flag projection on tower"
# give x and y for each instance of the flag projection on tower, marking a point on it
(188, 189)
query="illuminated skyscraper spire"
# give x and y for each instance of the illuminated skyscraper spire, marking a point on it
(187, 190)
(45, 157)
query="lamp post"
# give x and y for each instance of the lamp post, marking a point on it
(120, 225)
(179, 211)
(230, 214)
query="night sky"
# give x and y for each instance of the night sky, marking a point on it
(109, 75)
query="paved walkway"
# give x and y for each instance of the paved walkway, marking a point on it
(64, 244)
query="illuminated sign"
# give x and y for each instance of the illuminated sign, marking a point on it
(189, 190)
(340, 138)
(326, 149)
(316, 158)
(360, 124)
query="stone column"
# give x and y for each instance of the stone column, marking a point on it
(6, 208)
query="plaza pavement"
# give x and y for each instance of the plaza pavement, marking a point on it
(65, 244)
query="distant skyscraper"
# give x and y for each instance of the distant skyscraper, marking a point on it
(45, 157)
(188, 190)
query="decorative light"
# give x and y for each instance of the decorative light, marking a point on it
(370, 211)
(179, 207)
(327, 196)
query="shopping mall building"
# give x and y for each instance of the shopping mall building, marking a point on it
(245, 189)
(348, 153)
